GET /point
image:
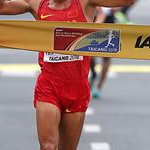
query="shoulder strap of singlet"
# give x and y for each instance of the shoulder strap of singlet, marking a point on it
(78, 3)
(40, 5)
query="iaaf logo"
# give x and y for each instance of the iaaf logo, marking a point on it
(142, 42)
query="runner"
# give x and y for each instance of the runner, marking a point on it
(103, 15)
(62, 91)
(100, 17)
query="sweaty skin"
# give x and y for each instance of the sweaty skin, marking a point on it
(56, 130)
(22, 6)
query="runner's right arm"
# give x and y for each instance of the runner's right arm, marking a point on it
(13, 7)
(111, 3)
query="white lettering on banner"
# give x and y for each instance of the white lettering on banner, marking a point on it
(52, 57)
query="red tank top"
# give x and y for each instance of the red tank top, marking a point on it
(76, 69)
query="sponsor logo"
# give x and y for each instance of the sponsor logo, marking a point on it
(68, 111)
(142, 42)
(46, 16)
(105, 40)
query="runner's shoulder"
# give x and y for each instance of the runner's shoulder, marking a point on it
(33, 4)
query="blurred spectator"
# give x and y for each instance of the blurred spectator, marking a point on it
(106, 15)
(122, 14)
(103, 15)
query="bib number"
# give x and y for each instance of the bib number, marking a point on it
(55, 58)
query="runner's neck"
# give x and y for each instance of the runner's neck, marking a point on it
(59, 4)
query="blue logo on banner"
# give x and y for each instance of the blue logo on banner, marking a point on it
(105, 40)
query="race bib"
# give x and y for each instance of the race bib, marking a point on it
(55, 58)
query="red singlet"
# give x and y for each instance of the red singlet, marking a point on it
(72, 73)
(77, 69)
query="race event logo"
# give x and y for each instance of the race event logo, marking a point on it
(87, 40)
(101, 41)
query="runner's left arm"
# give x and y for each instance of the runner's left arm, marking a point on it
(111, 3)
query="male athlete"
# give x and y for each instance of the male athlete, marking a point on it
(62, 91)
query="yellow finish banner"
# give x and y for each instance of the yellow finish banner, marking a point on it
(88, 39)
